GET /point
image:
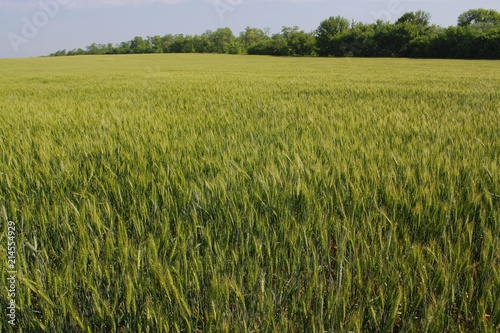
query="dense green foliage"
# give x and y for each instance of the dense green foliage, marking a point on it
(217, 193)
(477, 36)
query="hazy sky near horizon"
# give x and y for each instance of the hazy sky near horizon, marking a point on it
(38, 27)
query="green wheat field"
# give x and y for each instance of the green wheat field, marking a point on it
(217, 193)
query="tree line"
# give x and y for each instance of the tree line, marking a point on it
(476, 36)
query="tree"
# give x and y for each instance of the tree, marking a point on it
(279, 46)
(264, 47)
(79, 51)
(455, 42)
(199, 44)
(178, 45)
(420, 18)
(188, 44)
(299, 42)
(156, 44)
(59, 53)
(252, 37)
(167, 42)
(407, 37)
(95, 48)
(490, 45)
(326, 33)
(357, 41)
(223, 41)
(479, 18)
(139, 45)
(423, 45)
(123, 48)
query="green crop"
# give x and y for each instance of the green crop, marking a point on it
(215, 193)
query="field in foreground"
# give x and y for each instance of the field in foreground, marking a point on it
(208, 193)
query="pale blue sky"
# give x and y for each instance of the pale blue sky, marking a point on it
(69, 24)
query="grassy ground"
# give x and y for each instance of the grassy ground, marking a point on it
(208, 193)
